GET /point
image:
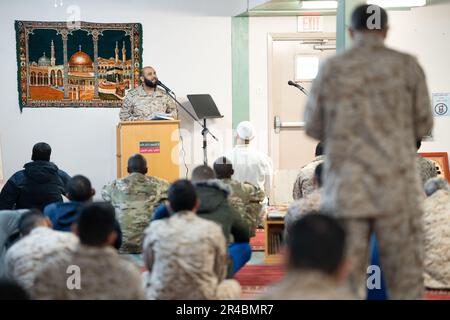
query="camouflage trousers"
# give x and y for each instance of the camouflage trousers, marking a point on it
(400, 247)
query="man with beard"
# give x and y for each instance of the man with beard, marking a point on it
(147, 100)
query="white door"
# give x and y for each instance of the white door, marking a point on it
(294, 57)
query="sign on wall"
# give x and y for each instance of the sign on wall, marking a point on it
(90, 65)
(310, 24)
(441, 104)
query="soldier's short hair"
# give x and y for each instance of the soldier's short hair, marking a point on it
(318, 174)
(316, 242)
(319, 149)
(96, 222)
(203, 173)
(79, 188)
(41, 152)
(182, 195)
(137, 163)
(363, 18)
(223, 168)
(435, 184)
(29, 220)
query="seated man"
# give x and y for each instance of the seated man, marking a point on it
(64, 214)
(38, 246)
(304, 183)
(437, 234)
(39, 184)
(214, 206)
(308, 203)
(244, 197)
(316, 269)
(102, 273)
(135, 198)
(9, 233)
(186, 255)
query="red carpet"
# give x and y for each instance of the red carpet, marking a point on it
(437, 295)
(255, 279)
(258, 242)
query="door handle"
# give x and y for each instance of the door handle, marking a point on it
(278, 124)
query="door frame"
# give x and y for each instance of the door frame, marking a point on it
(271, 38)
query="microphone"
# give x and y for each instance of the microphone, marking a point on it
(292, 83)
(162, 85)
(302, 89)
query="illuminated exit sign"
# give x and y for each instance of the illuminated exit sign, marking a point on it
(310, 24)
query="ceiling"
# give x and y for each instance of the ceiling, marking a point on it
(293, 7)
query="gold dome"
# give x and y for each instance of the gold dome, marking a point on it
(80, 58)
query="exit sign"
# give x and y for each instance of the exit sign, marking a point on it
(310, 24)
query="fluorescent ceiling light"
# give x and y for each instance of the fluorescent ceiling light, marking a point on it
(398, 3)
(311, 5)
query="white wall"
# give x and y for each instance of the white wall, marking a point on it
(190, 50)
(424, 32)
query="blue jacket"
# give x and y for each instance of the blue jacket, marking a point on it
(39, 184)
(64, 214)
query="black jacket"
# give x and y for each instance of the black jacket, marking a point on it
(39, 184)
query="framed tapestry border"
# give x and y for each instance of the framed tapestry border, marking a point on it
(25, 28)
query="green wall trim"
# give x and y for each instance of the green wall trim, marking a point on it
(240, 70)
(343, 17)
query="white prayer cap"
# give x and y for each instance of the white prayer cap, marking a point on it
(245, 130)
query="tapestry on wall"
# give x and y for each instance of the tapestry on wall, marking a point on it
(94, 65)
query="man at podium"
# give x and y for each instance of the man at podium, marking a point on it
(146, 101)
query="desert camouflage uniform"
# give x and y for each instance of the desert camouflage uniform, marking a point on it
(104, 275)
(304, 184)
(308, 285)
(437, 240)
(139, 105)
(246, 199)
(369, 105)
(186, 257)
(427, 168)
(25, 259)
(135, 197)
(301, 207)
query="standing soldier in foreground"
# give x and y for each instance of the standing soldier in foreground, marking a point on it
(369, 105)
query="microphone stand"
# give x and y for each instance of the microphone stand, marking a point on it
(205, 130)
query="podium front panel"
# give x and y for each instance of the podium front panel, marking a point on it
(156, 141)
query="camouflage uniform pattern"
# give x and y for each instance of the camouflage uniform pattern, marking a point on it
(308, 285)
(304, 184)
(104, 275)
(29, 255)
(437, 240)
(186, 256)
(139, 105)
(301, 207)
(427, 168)
(134, 197)
(246, 199)
(368, 105)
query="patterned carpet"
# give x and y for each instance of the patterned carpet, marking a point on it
(258, 242)
(255, 279)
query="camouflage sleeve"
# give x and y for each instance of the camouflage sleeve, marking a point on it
(314, 111)
(106, 192)
(297, 191)
(127, 110)
(171, 107)
(422, 112)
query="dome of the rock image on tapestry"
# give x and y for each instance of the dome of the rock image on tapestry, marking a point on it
(47, 73)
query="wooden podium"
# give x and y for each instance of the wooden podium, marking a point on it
(156, 140)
